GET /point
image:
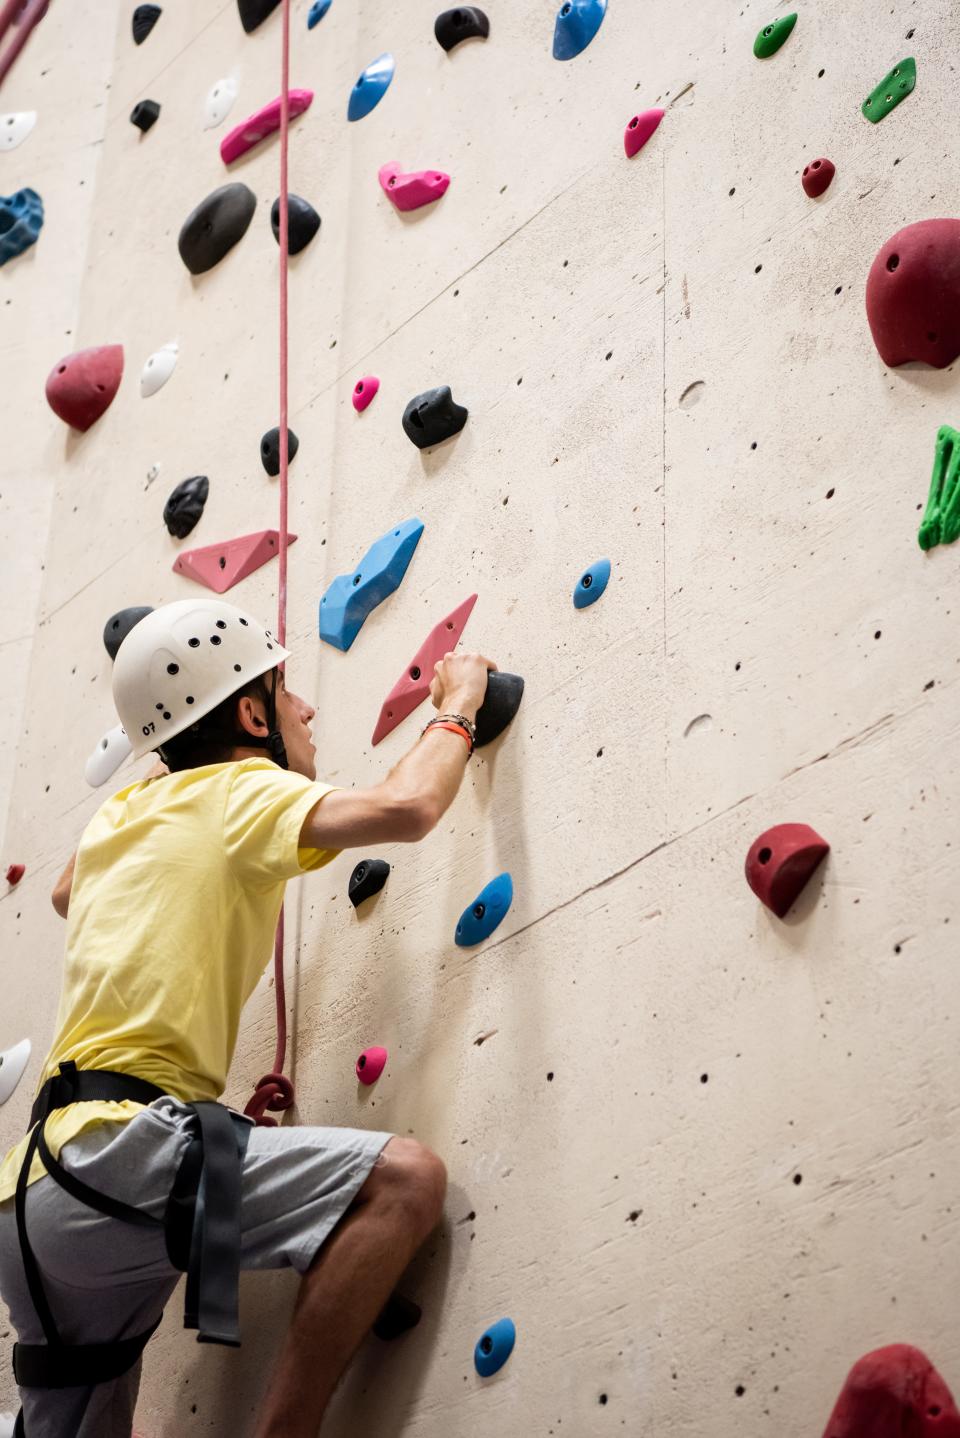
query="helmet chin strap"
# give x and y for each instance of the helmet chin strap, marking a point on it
(272, 740)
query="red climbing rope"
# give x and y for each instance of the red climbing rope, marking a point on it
(28, 17)
(274, 1090)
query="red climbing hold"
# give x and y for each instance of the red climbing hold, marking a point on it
(894, 1392)
(816, 177)
(781, 862)
(15, 873)
(639, 130)
(409, 192)
(913, 295)
(413, 686)
(82, 386)
(221, 566)
(257, 127)
(370, 1065)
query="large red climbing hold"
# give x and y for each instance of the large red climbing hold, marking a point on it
(82, 386)
(781, 862)
(894, 1392)
(413, 686)
(913, 295)
(221, 566)
(257, 127)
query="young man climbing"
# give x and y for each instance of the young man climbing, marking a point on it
(132, 1172)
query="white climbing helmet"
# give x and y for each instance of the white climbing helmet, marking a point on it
(182, 660)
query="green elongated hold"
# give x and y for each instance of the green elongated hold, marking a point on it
(772, 36)
(941, 518)
(892, 89)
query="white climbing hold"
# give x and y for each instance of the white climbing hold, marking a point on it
(107, 757)
(158, 369)
(12, 1064)
(15, 128)
(219, 102)
(7, 1422)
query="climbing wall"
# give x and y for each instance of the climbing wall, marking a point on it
(701, 1156)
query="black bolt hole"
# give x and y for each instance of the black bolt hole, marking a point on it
(765, 855)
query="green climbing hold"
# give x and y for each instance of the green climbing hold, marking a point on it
(892, 89)
(772, 36)
(941, 518)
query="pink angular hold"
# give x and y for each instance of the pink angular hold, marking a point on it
(83, 385)
(639, 130)
(257, 127)
(221, 566)
(364, 391)
(413, 686)
(370, 1065)
(409, 192)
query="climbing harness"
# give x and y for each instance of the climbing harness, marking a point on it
(201, 1228)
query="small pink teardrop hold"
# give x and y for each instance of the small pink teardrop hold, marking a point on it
(370, 1065)
(364, 391)
(816, 177)
(639, 130)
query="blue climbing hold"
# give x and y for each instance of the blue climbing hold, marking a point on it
(21, 220)
(372, 84)
(317, 11)
(351, 598)
(494, 1347)
(489, 908)
(591, 584)
(577, 23)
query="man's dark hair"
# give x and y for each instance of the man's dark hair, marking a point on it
(213, 738)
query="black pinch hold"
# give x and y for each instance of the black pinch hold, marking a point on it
(211, 230)
(183, 509)
(144, 19)
(433, 416)
(303, 222)
(504, 692)
(145, 114)
(270, 450)
(118, 626)
(254, 12)
(367, 879)
(463, 23)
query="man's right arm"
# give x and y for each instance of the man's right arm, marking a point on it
(417, 792)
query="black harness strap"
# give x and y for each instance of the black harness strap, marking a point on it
(201, 1227)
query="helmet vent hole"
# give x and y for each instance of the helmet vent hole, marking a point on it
(244, 623)
(173, 668)
(166, 714)
(189, 698)
(160, 707)
(237, 668)
(221, 624)
(215, 639)
(194, 643)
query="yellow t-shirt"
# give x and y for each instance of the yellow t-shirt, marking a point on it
(175, 900)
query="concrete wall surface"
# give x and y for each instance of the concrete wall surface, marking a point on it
(705, 1158)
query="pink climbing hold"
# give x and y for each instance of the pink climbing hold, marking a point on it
(15, 873)
(413, 686)
(639, 130)
(409, 192)
(816, 177)
(257, 127)
(221, 566)
(364, 391)
(83, 385)
(894, 1392)
(780, 863)
(370, 1065)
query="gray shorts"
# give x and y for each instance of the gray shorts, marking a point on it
(106, 1279)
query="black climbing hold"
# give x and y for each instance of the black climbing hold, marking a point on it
(185, 505)
(504, 692)
(118, 626)
(397, 1316)
(303, 222)
(254, 12)
(461, 24)
(144, 114)
(433, 416)
(367, 879)
(144, 19)
(270, 449)
(215, 226)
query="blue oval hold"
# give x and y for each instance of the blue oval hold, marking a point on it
(371, 86)
(317, 11)
(21, 220)
(494, 1347)
(577, 23)
(489, 908)
(591, 584)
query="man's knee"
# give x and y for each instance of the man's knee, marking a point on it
(414, 1175)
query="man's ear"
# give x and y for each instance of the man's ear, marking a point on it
(249, 715)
